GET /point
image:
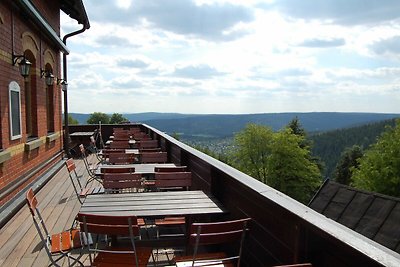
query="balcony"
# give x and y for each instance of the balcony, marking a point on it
(282, 231)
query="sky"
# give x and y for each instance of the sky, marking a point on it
(235, 57)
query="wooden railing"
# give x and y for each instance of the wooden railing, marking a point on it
(282, 230)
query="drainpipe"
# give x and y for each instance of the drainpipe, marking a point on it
(65, 90)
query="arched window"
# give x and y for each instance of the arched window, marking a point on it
(15, 110)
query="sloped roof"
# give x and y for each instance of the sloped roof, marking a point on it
(373, 215)
(76, 10)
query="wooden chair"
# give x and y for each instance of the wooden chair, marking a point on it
(148, 144)
(172, 180)
(120, 144)
(57, 245)
(170, 169)
(90, 168)
(122, 135)
(117, 170)
(153, 157)
(121, 158)
(295, 265)
(134, 130)
(141, 136)
(167, 181)
(127, 226)
(155, 149)
(217, 233)
(80, 190)
(122, 182)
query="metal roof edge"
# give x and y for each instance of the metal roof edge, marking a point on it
(27, 5)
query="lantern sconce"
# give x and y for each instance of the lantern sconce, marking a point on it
(63, 83)
(48, 76)
(24, 64)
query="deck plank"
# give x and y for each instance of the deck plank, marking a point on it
(20, 244)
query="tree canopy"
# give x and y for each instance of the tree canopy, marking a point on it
(290, 168)
(252, 150)
(97, 117)
(379, 169)
(71, 120)
(347, 161)
(277, 159)
(117, 118)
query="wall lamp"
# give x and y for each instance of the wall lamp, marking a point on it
(64, 84)
(24, 64)
(48, 76)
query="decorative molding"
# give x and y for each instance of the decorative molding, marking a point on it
(49, 57)
(33, 144)
(4, 156)
(52, 137)
(29, 43)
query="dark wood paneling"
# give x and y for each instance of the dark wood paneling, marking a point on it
(282, 231)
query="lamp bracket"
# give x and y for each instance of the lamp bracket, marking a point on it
(16, 57)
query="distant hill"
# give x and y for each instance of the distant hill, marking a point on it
(136, 117)
(217, 126)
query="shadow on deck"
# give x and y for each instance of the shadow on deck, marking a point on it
(20, 244)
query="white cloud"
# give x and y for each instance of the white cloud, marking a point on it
(247, 56)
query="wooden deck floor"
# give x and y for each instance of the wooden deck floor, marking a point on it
(20, 244)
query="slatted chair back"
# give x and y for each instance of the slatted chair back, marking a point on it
(122, 182)
(155, 149)
(85, 160)
(60, 244)
(121, 158)
(119, 129)
(114, 226)
(148, 144)
(295, 265)
(217, 233)
(122, 135)
(141, 136)
(134, 130)
(117, 170)
(119, 144)
(153, 157)
(173, 180)
(170, 169)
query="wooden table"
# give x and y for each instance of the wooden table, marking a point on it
(130, 141)
(153, 204)
(127, 151)
(144, 168)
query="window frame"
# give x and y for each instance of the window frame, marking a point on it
(14, 87)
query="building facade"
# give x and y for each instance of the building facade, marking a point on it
(31, 137)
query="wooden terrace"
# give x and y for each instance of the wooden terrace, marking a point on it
(282, 231)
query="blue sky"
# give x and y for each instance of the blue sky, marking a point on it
(244, 56)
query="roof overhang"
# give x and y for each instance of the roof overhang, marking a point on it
(76, 10)
(33, 14)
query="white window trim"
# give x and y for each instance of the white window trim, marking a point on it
(14, 87)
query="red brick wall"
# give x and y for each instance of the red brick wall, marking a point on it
(22, 162)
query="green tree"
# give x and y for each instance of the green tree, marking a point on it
(71, 120)
(347, 161)
(251, 151)
(176, 135)
(379, 169)
(96, 117)
(117, 118)
(296, 127)
(290, 168)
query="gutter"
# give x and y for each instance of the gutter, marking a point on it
(65, 90)
(42, 23)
